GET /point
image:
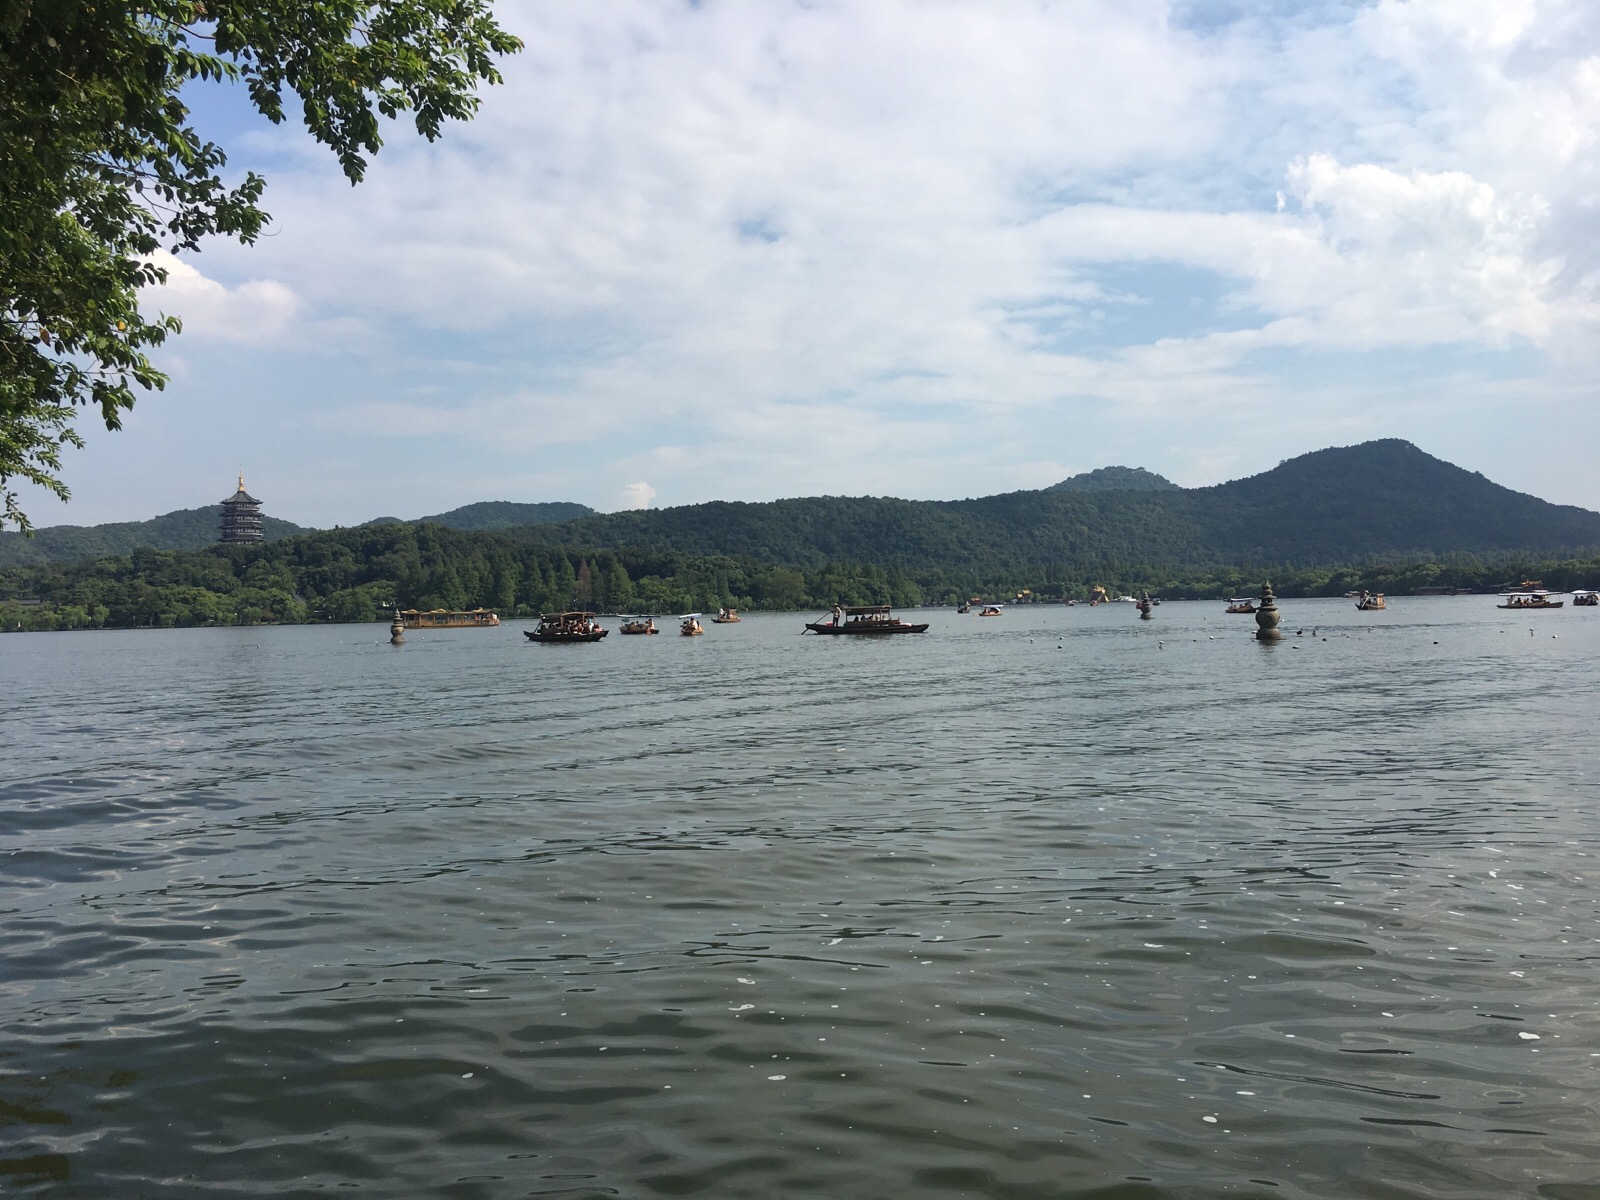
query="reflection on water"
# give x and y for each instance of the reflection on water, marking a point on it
(1060, 904)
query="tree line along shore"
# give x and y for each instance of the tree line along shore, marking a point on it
(361, 574)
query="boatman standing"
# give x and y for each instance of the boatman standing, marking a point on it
(837, 613)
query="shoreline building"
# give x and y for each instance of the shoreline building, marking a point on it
(241, 518)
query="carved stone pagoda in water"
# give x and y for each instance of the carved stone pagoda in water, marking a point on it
(241, 518)
(1267, 615)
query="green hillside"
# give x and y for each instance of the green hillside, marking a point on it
(504, 514)
(1378, 499)
(1382, 515)
(1115, 479)
(196, 528)
(185, 529)
(1383, 500)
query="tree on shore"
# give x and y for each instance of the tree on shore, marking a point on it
(100, 167)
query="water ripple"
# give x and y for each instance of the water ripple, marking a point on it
(1074, 906)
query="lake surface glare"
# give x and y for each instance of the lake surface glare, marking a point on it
(1059, 904)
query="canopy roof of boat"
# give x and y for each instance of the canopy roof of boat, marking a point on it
(856, 610)
(561, 616)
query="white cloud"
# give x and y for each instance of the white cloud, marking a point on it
(929, 248)
(256, 311)
(638, 495)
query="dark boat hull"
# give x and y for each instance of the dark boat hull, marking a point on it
(533, 635)
(863, 629)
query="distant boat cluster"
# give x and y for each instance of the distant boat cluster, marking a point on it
(877, 620)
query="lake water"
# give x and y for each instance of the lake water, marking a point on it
(1057, 904)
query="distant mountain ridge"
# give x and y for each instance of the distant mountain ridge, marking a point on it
(1115, 479)
(504, 514)
(182, 529)
(197, 528)
(1380, 499)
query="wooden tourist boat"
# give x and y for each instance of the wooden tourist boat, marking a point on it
(445, 618)
(691, 626)
(1586, 599)
(1523, 601)
(563, 627)
(872, 619)
(1371, 602)
(726, 616)
(1241, 604)
(639, 625)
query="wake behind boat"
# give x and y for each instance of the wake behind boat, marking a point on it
(863, 619)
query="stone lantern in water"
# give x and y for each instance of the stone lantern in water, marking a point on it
(1267, 615)
(397, 630)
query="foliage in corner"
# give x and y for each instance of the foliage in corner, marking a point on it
(100, 168)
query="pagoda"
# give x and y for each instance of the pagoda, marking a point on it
(241, 518)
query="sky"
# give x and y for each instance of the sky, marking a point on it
(746, 251)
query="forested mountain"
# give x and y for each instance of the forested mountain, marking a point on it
(1383, 500)
(184, 529)
(1378, 499)
(504, 514)
(196, 528)
(1382, 515)
(359, 574)
(1115, 479)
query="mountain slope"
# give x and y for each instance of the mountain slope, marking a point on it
(196, 528)
(183, 529)
(1382, 499)
(1378, 499)
(503, 514)
(1115, 479)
